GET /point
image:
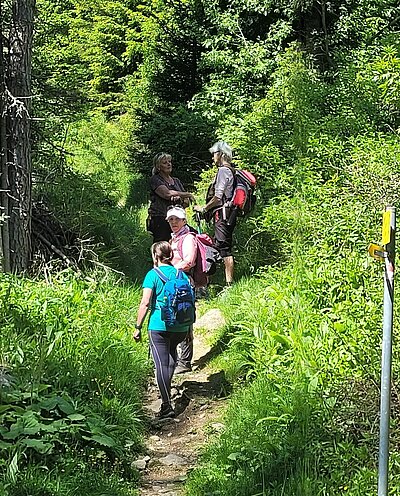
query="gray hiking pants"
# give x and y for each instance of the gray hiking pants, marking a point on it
(185, 350)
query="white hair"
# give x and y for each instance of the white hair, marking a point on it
(224, 149)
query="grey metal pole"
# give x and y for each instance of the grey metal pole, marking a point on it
(386, 373)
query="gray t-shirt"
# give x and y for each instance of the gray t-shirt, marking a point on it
(224, 184)
(158, 205)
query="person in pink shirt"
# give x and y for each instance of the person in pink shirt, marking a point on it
(184, 249)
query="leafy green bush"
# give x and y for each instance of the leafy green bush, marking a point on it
(71, 381)
(306, 330)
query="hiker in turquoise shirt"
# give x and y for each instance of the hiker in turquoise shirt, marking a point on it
(163, 340)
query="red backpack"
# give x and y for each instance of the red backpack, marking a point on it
(206, 259)
(243, 197)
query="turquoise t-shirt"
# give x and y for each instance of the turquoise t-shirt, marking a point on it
(153, 282)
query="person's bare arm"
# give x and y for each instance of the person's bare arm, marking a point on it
(220, 186)
(168, 194)
(142, 312)
(214, 202)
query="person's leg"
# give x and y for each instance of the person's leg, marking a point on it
(229, 269)
(202, 292)
(160, 228)
(176, 339)
(185, 354)
(163, 346)
(223, 242)
(160, 349)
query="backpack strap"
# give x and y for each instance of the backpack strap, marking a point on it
(233, 171)
(163, 277)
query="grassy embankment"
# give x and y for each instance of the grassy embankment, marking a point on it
(303, 345)
(72, 380)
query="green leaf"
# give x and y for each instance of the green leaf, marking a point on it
(49, 403)
(56, 426)
(65, 407)
(284, 418)
(101, 439)
(18, 409)
(12, 469)
(281, 338)
(339, 326)
(57, 401)
(38, 445)
(14, 432)
(30, 423)
(76, 416)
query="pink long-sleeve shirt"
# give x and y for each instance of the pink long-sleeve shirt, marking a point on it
(188, 243)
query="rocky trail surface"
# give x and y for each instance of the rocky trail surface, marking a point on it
(173, 445)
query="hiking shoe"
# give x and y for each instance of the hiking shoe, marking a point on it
(201, 293)
(166, 411)
(182, 369)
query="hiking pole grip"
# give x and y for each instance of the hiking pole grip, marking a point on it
(197, 216)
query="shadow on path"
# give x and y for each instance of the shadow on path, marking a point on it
(216, 386)
(202, 361)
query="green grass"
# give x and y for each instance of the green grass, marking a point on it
(72, 401)
(302, 348)
(291, 429)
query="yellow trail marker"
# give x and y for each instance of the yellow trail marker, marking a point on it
(377, 251)
(386, 227)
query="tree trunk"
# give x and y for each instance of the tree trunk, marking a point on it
(17, 174)
(4, 237)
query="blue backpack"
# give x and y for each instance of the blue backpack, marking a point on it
(178, 302)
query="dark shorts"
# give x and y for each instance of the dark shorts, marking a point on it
(224, 237)
(160, 229)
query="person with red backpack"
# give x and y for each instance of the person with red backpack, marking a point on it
(220, 192)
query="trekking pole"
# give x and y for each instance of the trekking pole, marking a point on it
(386, 252)
(197, 216)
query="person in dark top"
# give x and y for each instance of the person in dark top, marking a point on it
(222, 190)
(165, 190)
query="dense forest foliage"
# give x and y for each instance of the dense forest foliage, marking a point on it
(308, 95)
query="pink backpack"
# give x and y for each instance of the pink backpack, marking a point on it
(206, 259)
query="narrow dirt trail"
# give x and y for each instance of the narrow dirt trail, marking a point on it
(173, 445)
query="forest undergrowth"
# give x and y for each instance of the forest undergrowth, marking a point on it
(308, 96)
(71, 386)
(304, 352)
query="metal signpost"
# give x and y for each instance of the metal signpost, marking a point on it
(386, 252)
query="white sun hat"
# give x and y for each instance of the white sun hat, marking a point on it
(176, 212)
